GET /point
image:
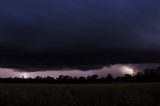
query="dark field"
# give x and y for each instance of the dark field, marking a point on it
(142, 94)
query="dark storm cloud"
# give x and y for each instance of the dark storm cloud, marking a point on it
(73, 33)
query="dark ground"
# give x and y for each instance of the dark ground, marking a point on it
(136, 94)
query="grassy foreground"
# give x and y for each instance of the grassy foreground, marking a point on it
(142, 94)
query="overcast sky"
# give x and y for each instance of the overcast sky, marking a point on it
(78, 32)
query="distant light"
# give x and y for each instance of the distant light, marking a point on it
(25, 75)
(127, 70)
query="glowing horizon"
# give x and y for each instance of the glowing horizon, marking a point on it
(114, 70)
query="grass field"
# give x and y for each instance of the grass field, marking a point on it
(142, 94)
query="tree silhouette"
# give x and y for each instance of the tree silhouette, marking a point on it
(109, 77)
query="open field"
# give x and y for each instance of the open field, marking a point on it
(141, 94)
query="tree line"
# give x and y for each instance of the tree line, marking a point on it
(147, 75)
